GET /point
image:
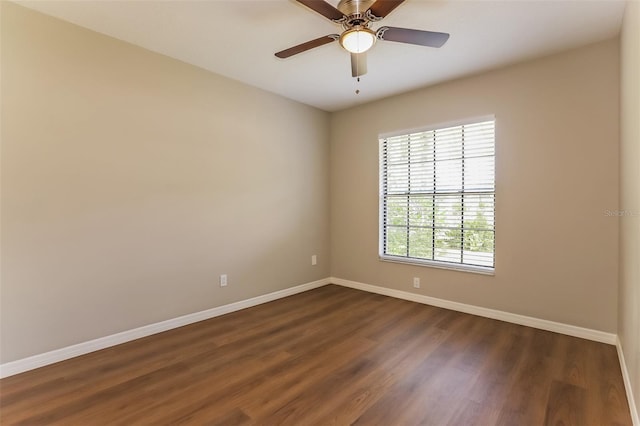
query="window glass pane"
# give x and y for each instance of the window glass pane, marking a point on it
(478, 241)
(422, 178)
(449, 175)
(397, 150)
(396, 241)
(398, 179)
(448, 143)
(397, 211)
(448, 245)
(479, 174)
(422, 146)
(421, 243)
(479, 139)
(421, 211)
(479, 247)
(448, 209)
(479, 211)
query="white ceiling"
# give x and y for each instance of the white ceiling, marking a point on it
(237, 38)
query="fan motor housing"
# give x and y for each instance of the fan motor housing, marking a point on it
(354, 7)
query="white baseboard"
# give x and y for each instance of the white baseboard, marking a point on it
(635, 417)
(571, 330)
(40, 360)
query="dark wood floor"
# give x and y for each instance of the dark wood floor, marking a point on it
(330, 356)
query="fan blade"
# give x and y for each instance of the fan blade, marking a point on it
(406, 35)
(358, 64)
(307, 46)
(382, 8)
(324, 9)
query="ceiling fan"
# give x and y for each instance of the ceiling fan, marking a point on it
(356, 17)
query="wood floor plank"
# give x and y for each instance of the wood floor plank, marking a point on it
(529, 393)
(424, 382)
(182, 402)
(236, 417)
(370, 380)
(330, 356)
(279, 374)
(566, 405)
(606, 397)
(348, 404)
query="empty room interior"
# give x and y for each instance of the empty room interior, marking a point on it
(309, 212)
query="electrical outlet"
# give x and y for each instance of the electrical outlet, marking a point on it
(314, 260)
(223, 280)
(416, 282)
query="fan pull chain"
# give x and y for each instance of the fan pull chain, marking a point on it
(358, 90)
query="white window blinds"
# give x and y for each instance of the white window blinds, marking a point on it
(437, 191)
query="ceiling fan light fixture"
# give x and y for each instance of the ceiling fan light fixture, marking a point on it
(357, 39)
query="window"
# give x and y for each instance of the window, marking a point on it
(437, 196)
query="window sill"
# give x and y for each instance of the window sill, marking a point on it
(483, 270)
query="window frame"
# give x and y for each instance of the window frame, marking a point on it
(485, 270)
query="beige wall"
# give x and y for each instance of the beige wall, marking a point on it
(629, 293)
(130, 181)
(557, 173)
